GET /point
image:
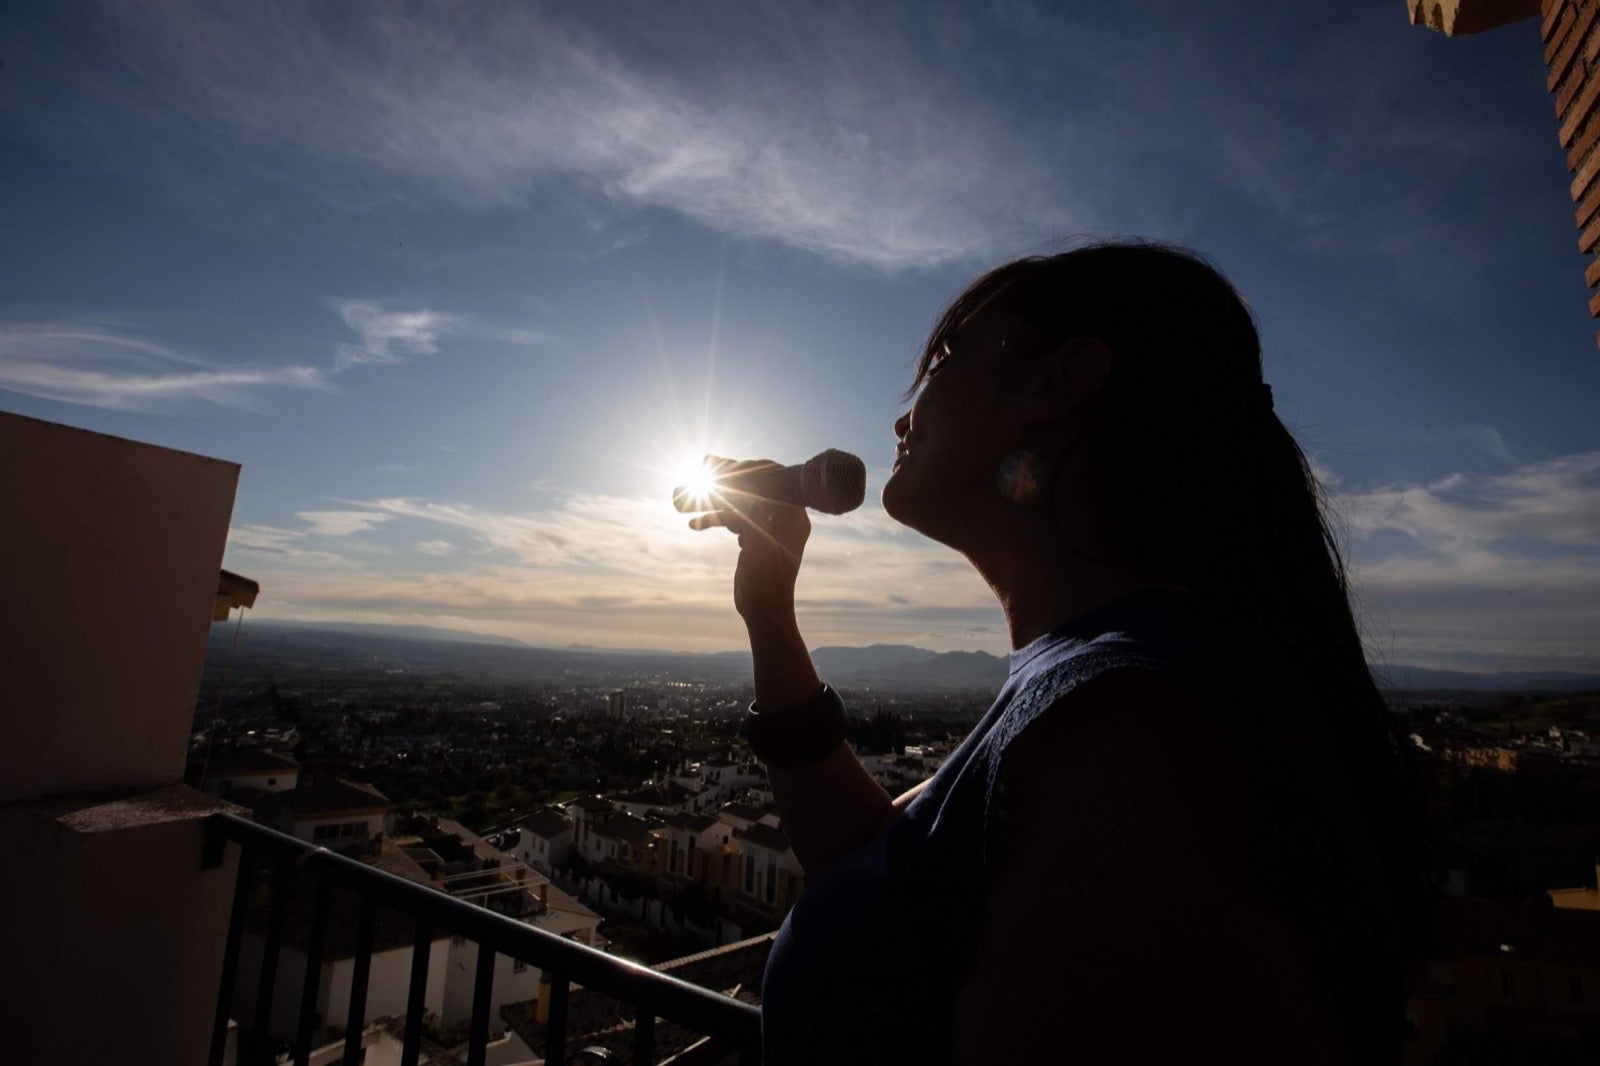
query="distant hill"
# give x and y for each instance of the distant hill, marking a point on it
(428, 648)
(410, 632)
(291, 645)
(838, 662)
(965, 669)
(1417, 678)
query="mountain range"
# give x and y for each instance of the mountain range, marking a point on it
(899, 665)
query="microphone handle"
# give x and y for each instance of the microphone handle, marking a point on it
(772, 482)
(778, 483)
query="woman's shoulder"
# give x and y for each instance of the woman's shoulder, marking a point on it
(1124, 801)
(1117, 666)
(1131, 715)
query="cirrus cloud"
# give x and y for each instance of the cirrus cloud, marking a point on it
(105, 365)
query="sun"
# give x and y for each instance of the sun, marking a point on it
(694, 482)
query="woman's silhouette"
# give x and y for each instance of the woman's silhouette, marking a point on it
(1185, 827)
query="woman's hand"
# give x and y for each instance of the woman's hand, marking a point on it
(772, 540)
(832, 807)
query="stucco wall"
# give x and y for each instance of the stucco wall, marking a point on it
(111, 934)
(509, 986)
(112, 554)
(306, 829)
(387, 984)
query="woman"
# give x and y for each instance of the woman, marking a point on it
(1184, 827)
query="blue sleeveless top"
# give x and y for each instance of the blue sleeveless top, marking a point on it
(866, 966)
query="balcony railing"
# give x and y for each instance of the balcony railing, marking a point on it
(285, 861)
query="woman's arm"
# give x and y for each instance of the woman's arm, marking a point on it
(832, 807)
(1122, 923)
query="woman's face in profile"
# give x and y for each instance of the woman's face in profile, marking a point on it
(959, 428)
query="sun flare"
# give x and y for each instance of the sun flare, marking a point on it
(695, 480)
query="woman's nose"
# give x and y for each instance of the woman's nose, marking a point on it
(902, 426)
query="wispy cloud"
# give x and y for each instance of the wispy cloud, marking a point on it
(395, 335)
(1498, 571)
(341, 523)
(866, 134)
(279, 545)
(1555, 503)
(387, 336)
(103, 365)
(1477, 572)
(891, 134)
(1328, 120)
(621, 571)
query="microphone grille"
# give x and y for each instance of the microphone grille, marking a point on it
(833, 482)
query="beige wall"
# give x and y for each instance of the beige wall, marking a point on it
(306, 828)
(112, 553)
(112, 933)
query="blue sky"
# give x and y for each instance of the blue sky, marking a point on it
(462, 286)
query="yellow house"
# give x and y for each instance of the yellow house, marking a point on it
(1579, 899)
(1522, 978)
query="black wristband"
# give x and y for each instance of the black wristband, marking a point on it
(800, 735)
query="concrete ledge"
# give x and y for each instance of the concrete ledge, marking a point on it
(113, 930)
(129, 808)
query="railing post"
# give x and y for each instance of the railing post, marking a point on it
(313, 979)
(356, 1020)
(555, 1028)
(644, 1037)
(282, 886)
(482, 992)
(230, 954)
(416, 996)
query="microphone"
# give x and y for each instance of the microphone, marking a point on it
(832, 482)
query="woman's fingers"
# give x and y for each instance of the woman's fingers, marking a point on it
(732, 521)
(686, 499)
(777, 524)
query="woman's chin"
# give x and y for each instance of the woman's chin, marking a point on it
(901, 500)
(894, 495)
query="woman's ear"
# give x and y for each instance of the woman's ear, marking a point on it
(1063, 379)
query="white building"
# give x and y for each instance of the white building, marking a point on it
(664, 799)
(249, 770)
(545, 839)
(339, 815)
(618, 837)
(770, 876)
(584, 812)
(692, 839)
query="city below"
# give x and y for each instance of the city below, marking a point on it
(609, 796)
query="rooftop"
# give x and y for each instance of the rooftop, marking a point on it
(249, 761)
(546, 822)
(626, 827)
(324, 798)
(764, 836)
(743, 810)
(695, 823)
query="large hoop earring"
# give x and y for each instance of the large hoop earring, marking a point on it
(1023, 478)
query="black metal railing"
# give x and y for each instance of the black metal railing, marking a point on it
(287, 864)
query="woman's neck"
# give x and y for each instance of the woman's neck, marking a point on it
(1045, 588)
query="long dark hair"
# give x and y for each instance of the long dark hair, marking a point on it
(1203, 484)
